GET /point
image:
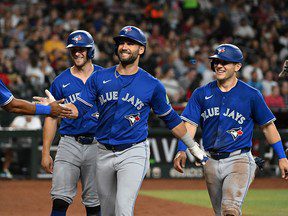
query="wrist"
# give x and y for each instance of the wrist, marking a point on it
(42, 109)
(279, 150)
(188, 141)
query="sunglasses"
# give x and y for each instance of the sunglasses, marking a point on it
(222, 62)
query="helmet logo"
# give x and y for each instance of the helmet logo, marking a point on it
(127, 29)
(221, 50)
(77, 38)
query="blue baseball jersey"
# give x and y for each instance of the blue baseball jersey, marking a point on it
(68, 86)
(124, 104)
(226, 118)
(5, 96)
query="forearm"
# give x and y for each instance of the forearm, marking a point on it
(179, 131)
(273, 138)
(21, 107)
(271, 133)
(49, 131)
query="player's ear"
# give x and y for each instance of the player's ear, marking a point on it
(141, 50)
(238, 66)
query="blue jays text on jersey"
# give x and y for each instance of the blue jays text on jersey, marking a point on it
(68, 86)
(226, 118)
(5, 95)
(124, 104)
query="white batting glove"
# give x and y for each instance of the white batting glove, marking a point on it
(201, 157)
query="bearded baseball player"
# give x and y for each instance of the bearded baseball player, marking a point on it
(226, 110)
(124, 95)
(76, 153)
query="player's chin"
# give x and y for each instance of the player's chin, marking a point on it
(79, 63)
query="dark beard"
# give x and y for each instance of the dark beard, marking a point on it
(128, 61)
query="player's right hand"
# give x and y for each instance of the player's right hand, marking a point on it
(47, 163)
(179, 161)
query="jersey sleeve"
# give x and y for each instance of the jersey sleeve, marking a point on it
(192, 112)
(160, 102)
(261, 114)
(5, 94)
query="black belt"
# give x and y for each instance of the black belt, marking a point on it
(223, 155)
(120, 147)
(83, 139)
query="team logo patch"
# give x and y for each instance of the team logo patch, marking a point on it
(77, 38)
(235, 132)
(221, 50)
(128, 29)
(95, 115)
(133, 118)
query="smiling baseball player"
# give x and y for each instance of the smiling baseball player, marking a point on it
(76, 153)
(124, 95)
(226, 110)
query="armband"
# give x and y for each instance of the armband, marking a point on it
(42, 109)
(278, 148)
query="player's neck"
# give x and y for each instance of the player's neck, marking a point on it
(227, 85)
(127, 69)
(83, 72)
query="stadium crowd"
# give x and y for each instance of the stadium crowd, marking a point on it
(181, 35)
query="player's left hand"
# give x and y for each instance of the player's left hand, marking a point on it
(179, 161)
(283, 165)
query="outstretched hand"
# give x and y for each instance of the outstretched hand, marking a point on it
(57, 108)
(46, 100)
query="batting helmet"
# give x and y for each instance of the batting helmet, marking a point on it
(132, 33)
(81, 38)
(227, 52)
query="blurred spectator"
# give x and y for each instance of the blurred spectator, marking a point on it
(254, 81)
(22, 60)
(275, 100)
(268, 83)
(284, 92)
(172, 86)
(54, 44)
(34, 73)
(254, 66)
(244, 30)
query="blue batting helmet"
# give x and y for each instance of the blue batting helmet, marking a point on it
(227, 52)
(133, 33)
(81, 38)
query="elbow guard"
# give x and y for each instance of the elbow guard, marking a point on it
(172, 119)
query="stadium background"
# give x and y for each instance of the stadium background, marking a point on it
(181, 35)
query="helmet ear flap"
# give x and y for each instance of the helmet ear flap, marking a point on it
(90, 52)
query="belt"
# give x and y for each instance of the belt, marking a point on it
(121, 147)
(83, 139)
(223, 155)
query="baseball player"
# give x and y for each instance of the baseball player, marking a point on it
(11, 104)
(124, 95)
(76, 154)
(226, 110)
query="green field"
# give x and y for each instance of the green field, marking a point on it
(257, 202)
